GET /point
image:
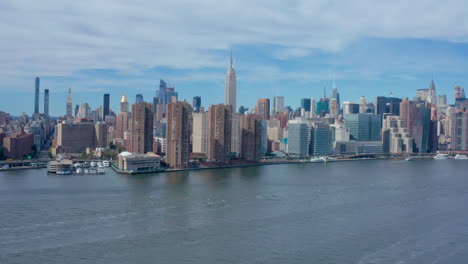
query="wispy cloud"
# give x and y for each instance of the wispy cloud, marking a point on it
(52, 37)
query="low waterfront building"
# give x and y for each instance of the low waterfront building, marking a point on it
(139, 162)
(55, 166)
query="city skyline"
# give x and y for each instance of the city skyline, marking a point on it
(96, 100)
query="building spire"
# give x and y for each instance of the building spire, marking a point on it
(231, 58)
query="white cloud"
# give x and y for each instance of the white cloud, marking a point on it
(56, 37)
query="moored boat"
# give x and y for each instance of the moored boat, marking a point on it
(441, 156)
(460, 157)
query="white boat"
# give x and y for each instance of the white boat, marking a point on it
(86, 171)
(63, 172)
(409, 159)
(92, 171)
(99, 164)
(441, 156)
(322, 159)
(105, 163)
(318, 159)
(92, 164)
(460, 157)
(79, 170)
(101, 170)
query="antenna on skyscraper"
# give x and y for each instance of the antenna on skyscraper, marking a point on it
(231, 58)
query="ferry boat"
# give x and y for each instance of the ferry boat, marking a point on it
(460, 157)
(441, 156)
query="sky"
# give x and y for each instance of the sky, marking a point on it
(281, 48)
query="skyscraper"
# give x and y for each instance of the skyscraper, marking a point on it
(278, 104)
(350, 108)
(305, 104)
(298, 138)
(236, 134)
(124, 104)
(335, 95)
(380, 105)
(323, 107)
(165, 94)
(69, 104)
(106, 106)
(251, 131)
(179, 130)
(36, 97)
(219, 148)
(362, 105)
(138, 99)
(263, 108)
(201, 131)
(46, 103)
(196, 104)
(432, 97)
(364, 127)
(321, 139)
(231, 87)
(84, 111)
(142, 128)
(459, 133)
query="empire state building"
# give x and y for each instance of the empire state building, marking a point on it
(231, 87)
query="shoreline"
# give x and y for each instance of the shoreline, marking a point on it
(260, 163)
(263, 164)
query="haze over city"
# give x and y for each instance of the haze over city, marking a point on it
(292, 48)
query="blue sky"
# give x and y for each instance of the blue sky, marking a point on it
(289, 48)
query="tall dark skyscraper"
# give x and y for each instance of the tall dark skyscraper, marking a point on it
(165, 94)
(46, 103)
(196, 104)
(36, 97)
(106, 106)
(70, 104)
(142, 128)
(305, 103)
(139, 98)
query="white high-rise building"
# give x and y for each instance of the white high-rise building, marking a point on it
(278, 104)
(362, 105)
(200, 135)
(231, 88)
(84, 111)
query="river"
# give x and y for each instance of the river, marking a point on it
(379, 211)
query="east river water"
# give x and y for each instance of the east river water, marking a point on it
(381, 211)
